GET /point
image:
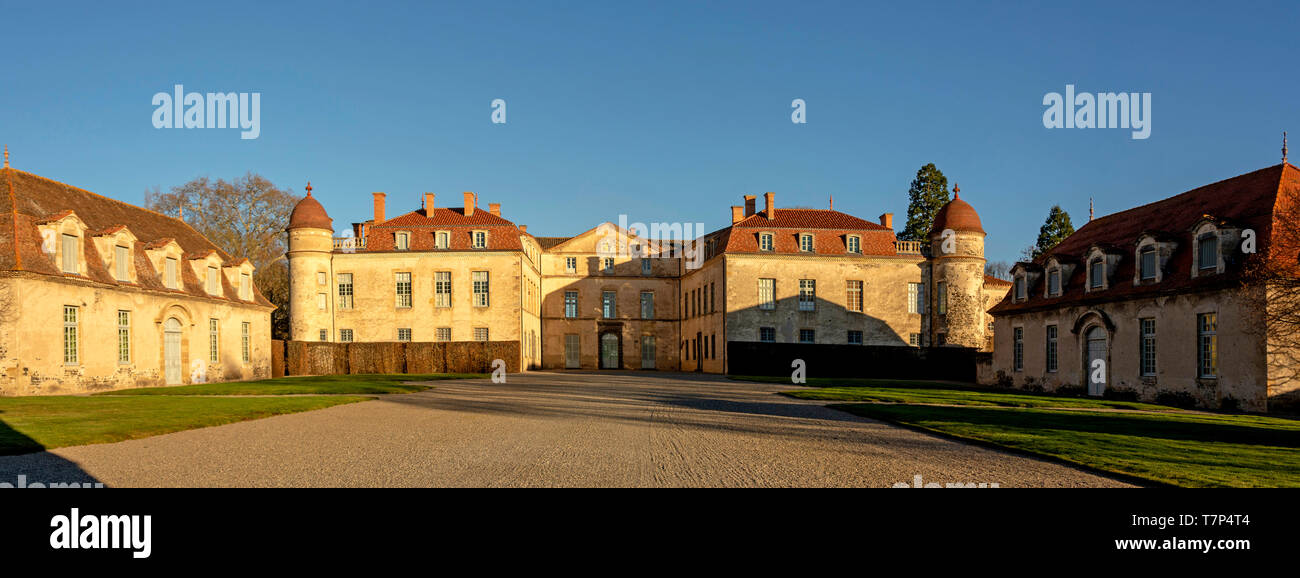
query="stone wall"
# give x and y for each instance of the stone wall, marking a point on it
(321, 358)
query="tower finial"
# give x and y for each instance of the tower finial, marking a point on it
(309, 188)
(832, 207)
(1283, 148)
(1089, 209)
(956, 191)
(6, 156)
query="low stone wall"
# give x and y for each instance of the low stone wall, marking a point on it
(320, 358)
(870, 361)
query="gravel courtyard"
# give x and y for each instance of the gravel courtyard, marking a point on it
(553, 429)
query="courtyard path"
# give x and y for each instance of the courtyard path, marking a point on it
(553, 429)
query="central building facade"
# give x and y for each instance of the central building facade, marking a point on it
(610, 298)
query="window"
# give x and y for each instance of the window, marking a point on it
(246, 287)
(403, 290)
(941, 339)
(647, 352)
(480, 240)
(647, 305)
(322, 301)
(441, 240)
(713, 303)
(70, 356)
(807, 294)
(1097, 273)
(1207, 257)
(855, 337)
(324, 335)
(714, 339)
(480, 279)
(706, 347)
(767, 334)
(214, 283)
(1054, 282)
(214, 341)
(1207, 350)
(244, 342)
(1051, 348)
(404, 334)
(345, 291)
(403, 241)
(942, 289)
(1020, 287)
(320, 277)
(442, 288)
(807, 336)
(122, 262)
(914, 339)
(169, 273)
(571, 265)
(70, 254)
(645, 266)
(570, 304)
(607, 265)
(806, 242)
(345, 335)
(124, 337)
(608, 304)
(442, 334)
(854, 244)
(854, 299)
(480, 334)
(915, 298)
(765, 241)
(1148, 359)
(767, 294)
(1147, 258)
(1018, 348)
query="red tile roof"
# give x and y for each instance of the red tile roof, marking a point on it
(1248, 201)
(27, 200)
(994, 281)
(957, 215)
(829, 228)
(309, 214)
(503, 235)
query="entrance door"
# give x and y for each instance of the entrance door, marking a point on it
(571, 350)
(647, 352)
(1096, 350)
(609, 351)
(172, 351)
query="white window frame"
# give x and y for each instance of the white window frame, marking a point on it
(482, 287)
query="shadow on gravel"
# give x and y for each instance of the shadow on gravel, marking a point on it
(24, 463)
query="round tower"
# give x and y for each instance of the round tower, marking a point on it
(311, 240)
(957, 275)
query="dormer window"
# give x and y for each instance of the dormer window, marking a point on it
(403, 241)
(479, 239)
(1054, 282)
(70, 254)
(1207, 255)
(214, 283)
(441, 240)
(806, 242)
(1020, 287)
(122, 263)
(1097, 273)
(245, 287)
(1147, 263)
(855, 244)
(765, 241)
(171, 270)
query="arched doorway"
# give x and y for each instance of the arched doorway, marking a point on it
(1095, 350)
(172, 351)
(610, 354)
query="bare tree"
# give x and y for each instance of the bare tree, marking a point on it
(246, 217)
(1271, 285)
(999, 269)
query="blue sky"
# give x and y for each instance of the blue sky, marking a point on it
(662, 111)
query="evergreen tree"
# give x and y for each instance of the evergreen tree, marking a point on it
(1054, 230)
(928, 193)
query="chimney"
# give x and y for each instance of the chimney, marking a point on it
(379, 208)
(495, 209)
(737, 214)
(887, 220)
(428, 204)
(771, 205)
(749, 204)
(469, 204)
(523, 228)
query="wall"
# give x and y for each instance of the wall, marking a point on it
(319, 358)
(871, 361)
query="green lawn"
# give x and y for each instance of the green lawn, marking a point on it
(1178, 448)
(308, 385)
(944, 393)
(30, 424)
